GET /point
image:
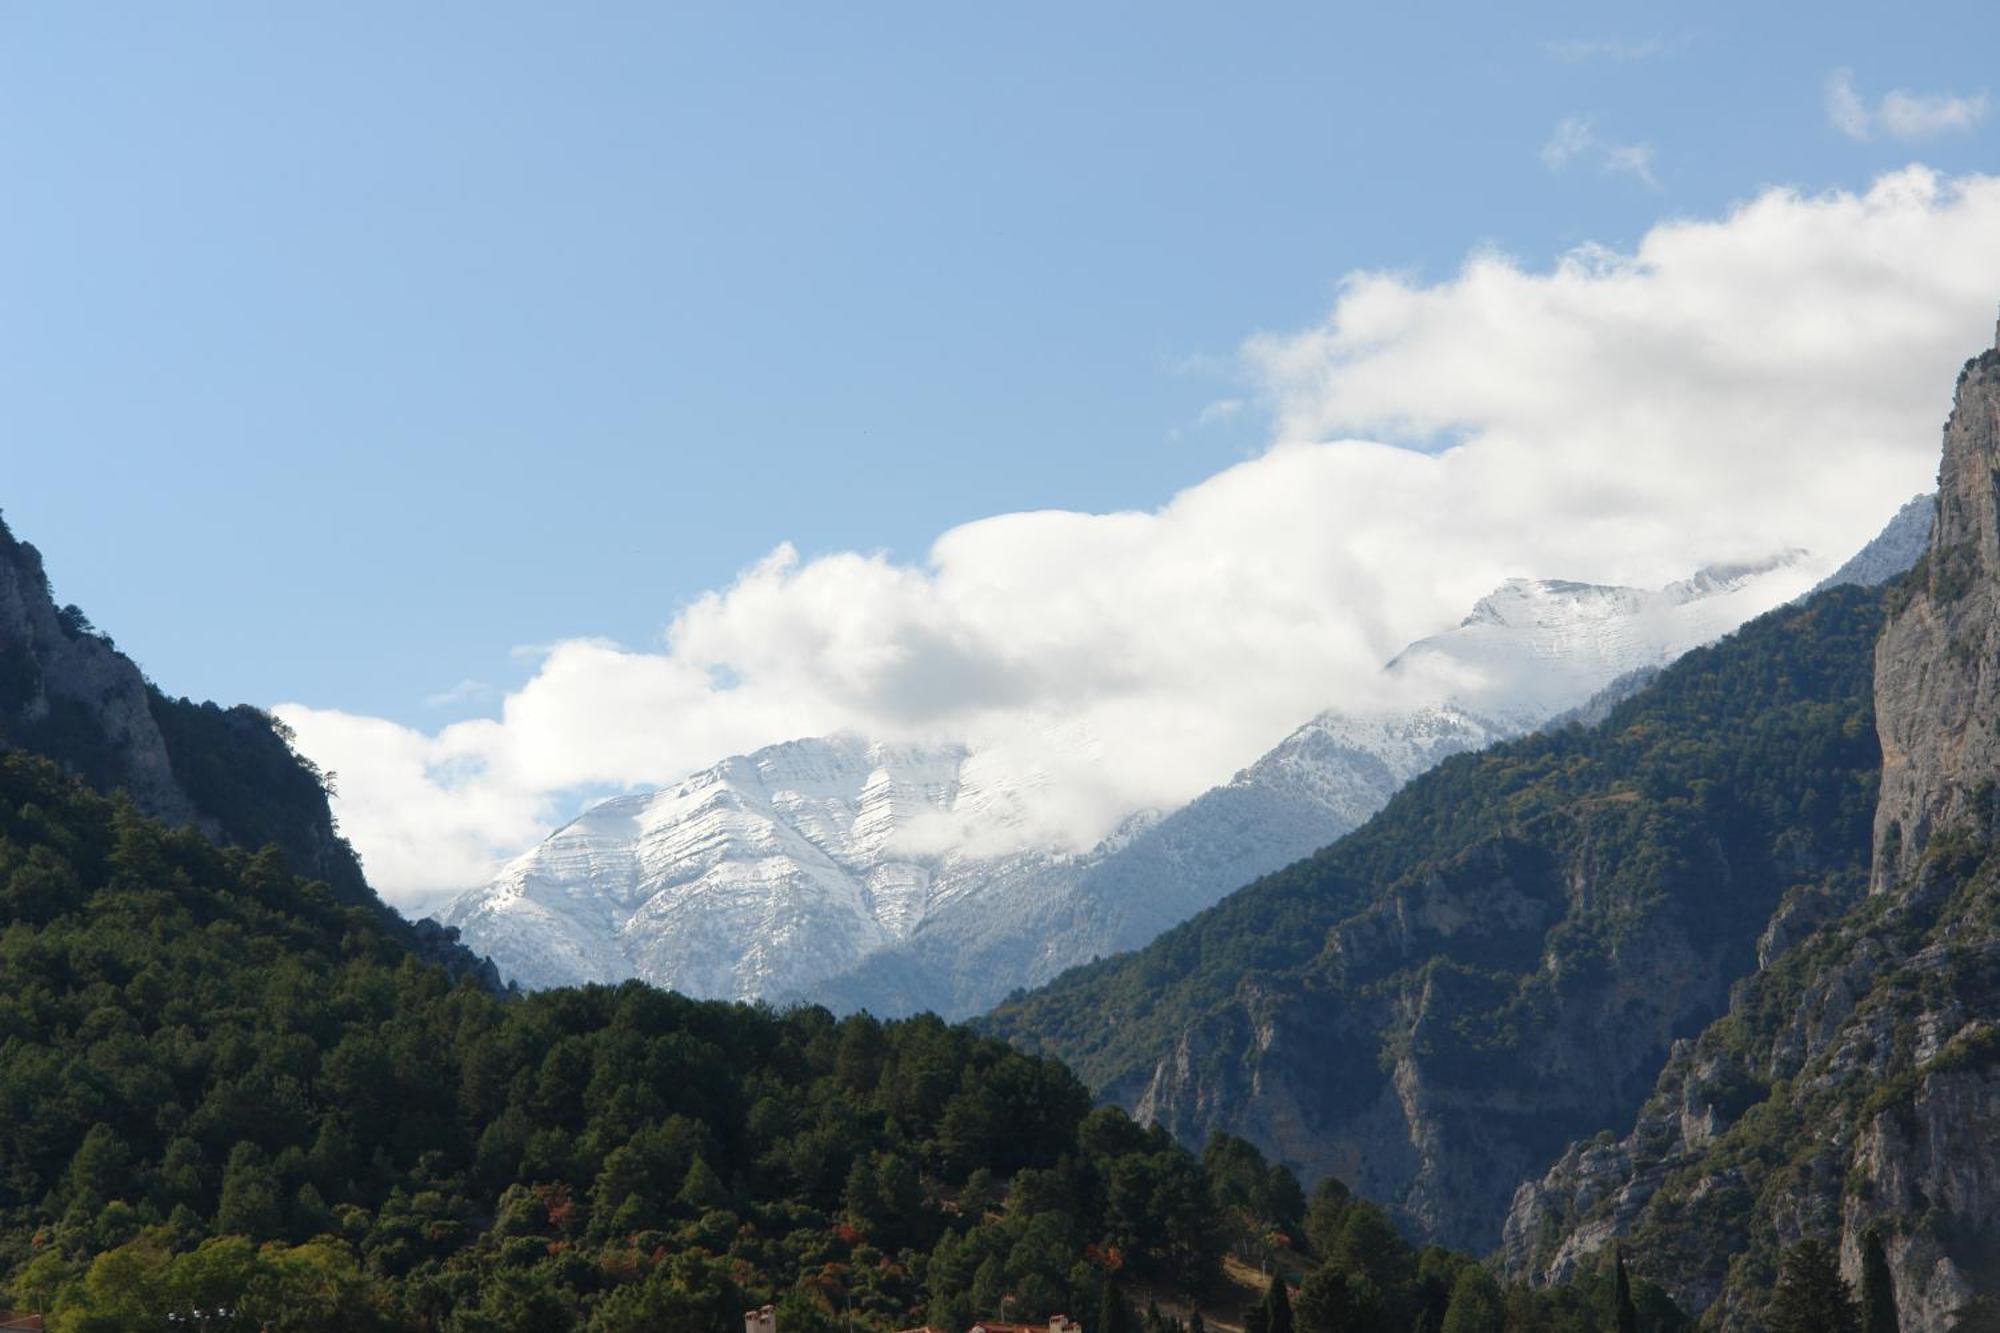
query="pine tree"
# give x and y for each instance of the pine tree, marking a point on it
(1626, 1312)
(1812, 1297)
(1476, 1304)
(702, 1188)
(1196, 1324)
(1878, 1287)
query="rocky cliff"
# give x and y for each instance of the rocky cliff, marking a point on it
(1501, 960)
(67, 693)
(1855, 1081)
(1938, 665)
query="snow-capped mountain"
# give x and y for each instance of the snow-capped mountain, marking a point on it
(768, 871)
(1023, 928)
(1894, 549)
(1534, 647)
(840, 871)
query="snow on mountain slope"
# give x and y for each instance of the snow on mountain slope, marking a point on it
(869, 876)
(1534, 647)
(766, 872)
(1026, 926)
(1895, 548)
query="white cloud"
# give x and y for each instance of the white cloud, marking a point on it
(1574, 138)
(1770, 378)
(1571, 138)
(1632, 159)
(1583, 50)
(1900, 114)
(465, 692)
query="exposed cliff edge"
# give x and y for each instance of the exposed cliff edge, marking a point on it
(1855, 1081)
(67, 693)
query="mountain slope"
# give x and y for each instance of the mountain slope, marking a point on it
(1023, 928)
(1895, 549)
(760, 875)
(1499, 961)
(1855, 1081)
(714, 888)
(68, 694)
(1534, 647)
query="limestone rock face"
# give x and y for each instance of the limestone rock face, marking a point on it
(1855, 1082)
(64, 687)
(1937, 667)
(69, 695)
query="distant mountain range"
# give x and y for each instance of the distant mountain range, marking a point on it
(825, 869)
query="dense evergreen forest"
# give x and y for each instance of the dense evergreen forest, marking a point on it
(229, 1097)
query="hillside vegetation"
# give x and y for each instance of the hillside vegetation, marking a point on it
(1433, 1007)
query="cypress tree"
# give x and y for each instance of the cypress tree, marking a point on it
(1627, 1312)
(1277, 1306)
(1878, 1287)
(1114, 1312)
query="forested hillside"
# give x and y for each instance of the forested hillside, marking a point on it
(69, 695)
(1435, 1006)
(224, 1090)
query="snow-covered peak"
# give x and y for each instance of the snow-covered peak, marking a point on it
(758, 873)
(890, 876)
(1533, 647)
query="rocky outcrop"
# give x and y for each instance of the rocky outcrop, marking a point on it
(65, 691)
(1938, 665)
(1855, 1082)
(68, 694)
(1501, 961)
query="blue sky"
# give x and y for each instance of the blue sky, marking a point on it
(349, 347)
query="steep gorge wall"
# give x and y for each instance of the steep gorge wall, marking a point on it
(1855, 1082)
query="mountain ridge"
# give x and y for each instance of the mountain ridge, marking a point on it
(976, 928)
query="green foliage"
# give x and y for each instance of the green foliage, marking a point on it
(219, 1082)
(1746, 768)
(227, 1089)
(1277, 1310)
(1811, 1295)
(1476, 1304)
(1625, 1314)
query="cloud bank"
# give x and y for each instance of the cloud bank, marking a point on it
(1770, 378)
